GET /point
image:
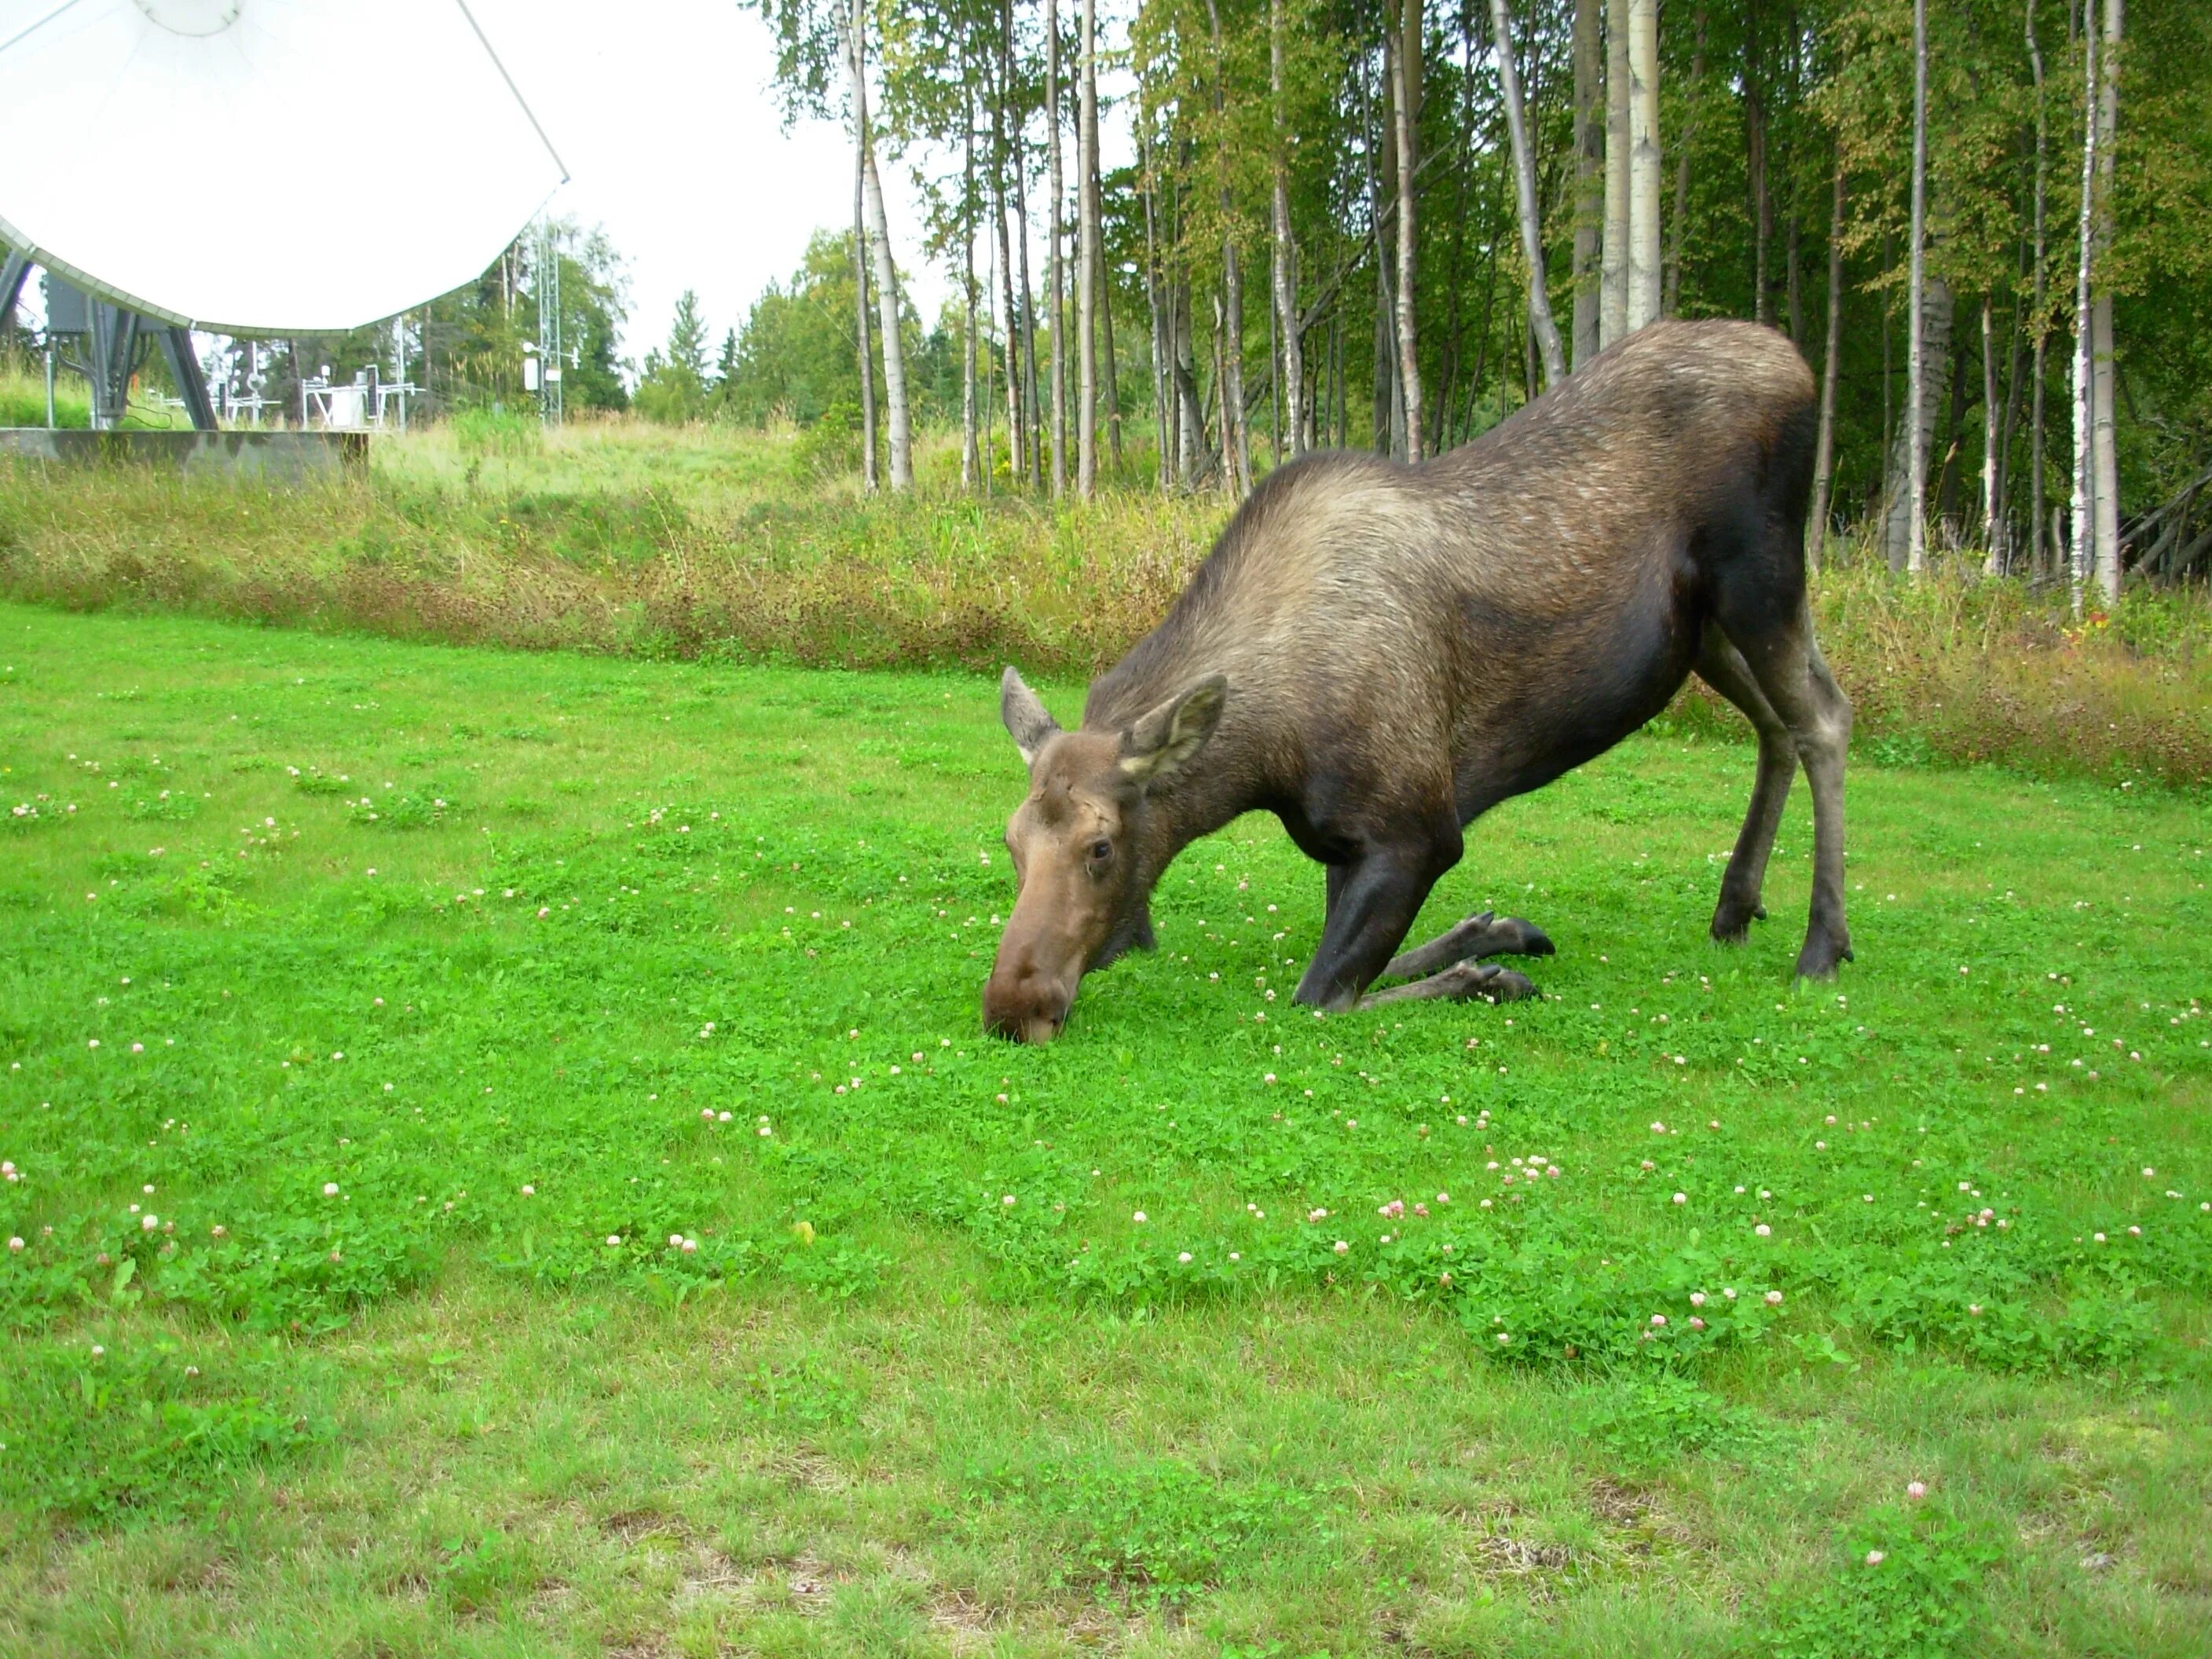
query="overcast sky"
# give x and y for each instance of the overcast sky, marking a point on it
(666, 116)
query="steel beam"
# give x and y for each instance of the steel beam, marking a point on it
(192, 383)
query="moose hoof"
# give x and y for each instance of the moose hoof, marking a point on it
(1512, 937)
(1485, 980)
(1732, 922)
(1820, 955)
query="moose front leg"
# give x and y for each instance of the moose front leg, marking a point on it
(1372, 901)
(1478, 936)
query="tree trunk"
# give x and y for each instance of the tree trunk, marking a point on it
(1590, 175)
(1389, 400)
(864, 345)
(985, 393)
(969, 458)
(2040, 311)
(1055, 300)
(1762, 197)
(1823, 449)
(1103, 291)
(1992, 527)
(1921, 417)
(1190, 417)
(1017, 426)
(1671, 299)
(2104, 435)
(1162, 412)
(1236, 439)
(1612, 263)
(1285, 251)
(1033, 439)
(1409, 366)
(879, 237)
(1644, 168)
(1915, 377)
(1543, 331)
(1086, 259)
(2084, 525)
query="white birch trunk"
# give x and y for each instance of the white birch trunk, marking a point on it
(1613, 258)
(880, 235)
(1286, 268)
(1916, 386)
(1409, 367)
(1589, 174)
(2103, 429)
(1086, 258)
(1824, 448)
(1055, 289)
(2084, 525)
(1541, 325)
(1644, 164)
(1938, 313)
(2038, 309)
(1993, 558)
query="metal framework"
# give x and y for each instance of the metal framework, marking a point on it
(111, 336)
(549, 320)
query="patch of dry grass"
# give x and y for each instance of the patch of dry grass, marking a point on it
(619, 538)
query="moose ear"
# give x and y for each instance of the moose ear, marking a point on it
(1025, 718)
(1162, 742)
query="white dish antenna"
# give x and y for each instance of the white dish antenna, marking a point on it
(277, 167)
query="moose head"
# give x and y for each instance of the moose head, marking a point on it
(1085, 849)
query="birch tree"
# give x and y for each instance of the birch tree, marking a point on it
(1612, 300)
(897, 415)
(864, 346)
(2039, 305)
(1823, 445)
(2104, 374)
(1546, 332)
(1409, 364)
(1285, 250)
(1055, 307)
(1916, 399)
(1590, 175)
(1087, 257)
(2084, 526)
(1644, 168)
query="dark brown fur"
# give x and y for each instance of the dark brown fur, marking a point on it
(1405, 647)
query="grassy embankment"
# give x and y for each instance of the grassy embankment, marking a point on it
(617, 537)
(410, 987)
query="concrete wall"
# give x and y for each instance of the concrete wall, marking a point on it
(262, 457)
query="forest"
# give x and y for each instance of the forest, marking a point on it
(1987, 226)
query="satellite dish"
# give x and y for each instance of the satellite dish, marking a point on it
(277, 167)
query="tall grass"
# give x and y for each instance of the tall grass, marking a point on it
(23, 401)
(614, 538)
(23, 398)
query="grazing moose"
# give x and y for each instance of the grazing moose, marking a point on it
(1379, 654)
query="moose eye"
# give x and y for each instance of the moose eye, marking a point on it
(1101, 850)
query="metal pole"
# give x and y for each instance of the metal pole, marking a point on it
(50, 385)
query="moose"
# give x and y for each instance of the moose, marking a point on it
(1378, 654)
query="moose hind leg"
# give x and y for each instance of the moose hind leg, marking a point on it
(1722, 666)
(1462, 980)
(1478, 936)
(1786, 664)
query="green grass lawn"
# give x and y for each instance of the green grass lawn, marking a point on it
(506, 1164)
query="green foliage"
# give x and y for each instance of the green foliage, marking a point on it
(1907, 1585)
(674, 389)
(133, 1432)
(1159, 1530)
(507, 433)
